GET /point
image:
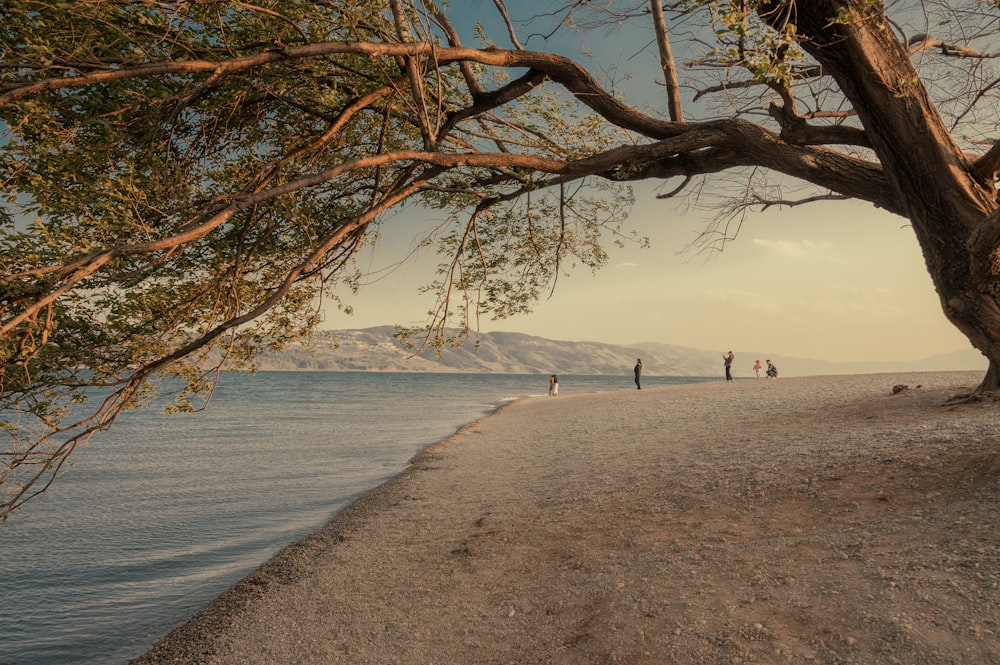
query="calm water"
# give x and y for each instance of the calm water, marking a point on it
(162, 514)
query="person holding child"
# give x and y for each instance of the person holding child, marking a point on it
(728, 360)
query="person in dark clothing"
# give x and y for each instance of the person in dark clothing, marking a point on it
(772, 371)
(728, 359)
(638, 372)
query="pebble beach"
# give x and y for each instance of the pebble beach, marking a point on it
(814, 519)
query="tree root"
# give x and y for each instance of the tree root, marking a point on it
(975, 397)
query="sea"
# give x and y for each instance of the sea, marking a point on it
(162, 513)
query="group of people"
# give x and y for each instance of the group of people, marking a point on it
(771, 373)
(727, 358)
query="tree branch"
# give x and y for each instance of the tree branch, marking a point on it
(562, 70)
(726, 144)
(923, 42)
(795, 129)
(667, 65)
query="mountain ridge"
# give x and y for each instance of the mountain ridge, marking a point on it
(377, 349)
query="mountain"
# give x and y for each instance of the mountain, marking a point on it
(375, 349)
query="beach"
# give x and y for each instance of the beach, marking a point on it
(816, 519)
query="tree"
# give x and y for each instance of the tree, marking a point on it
(188, 181)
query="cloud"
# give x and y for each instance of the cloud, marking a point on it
(627, 264)
(799, 250)
(873, 305)
(749, 300)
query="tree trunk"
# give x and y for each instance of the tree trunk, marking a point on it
(970, 292)
(991, 382)
(952, 210)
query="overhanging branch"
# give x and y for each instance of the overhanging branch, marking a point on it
(727, 144)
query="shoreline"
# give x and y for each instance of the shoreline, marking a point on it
(186, 641)
(634, 526)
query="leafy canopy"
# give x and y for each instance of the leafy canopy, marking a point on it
(187, 184)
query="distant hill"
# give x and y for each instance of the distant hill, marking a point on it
(375, 349)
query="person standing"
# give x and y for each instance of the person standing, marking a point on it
(756, 368)
(638, 372)
(728, 360)
(553, 386)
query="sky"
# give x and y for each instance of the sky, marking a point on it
(841, 282)
(836, 281)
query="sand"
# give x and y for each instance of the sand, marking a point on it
(800, 520)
